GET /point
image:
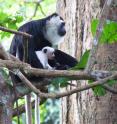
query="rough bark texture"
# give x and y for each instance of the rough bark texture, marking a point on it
(106, 110)
(84, 108)
(6, 105)
(113, 11)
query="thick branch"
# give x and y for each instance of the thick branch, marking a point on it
(18, 64)
(79, 75)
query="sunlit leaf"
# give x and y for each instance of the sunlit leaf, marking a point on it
(109, 34)
(83, 61)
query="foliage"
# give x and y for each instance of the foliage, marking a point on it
(17, 12)
(50, 112)
(99, 90)
(83, 62)
(9, 21)
(109, 34)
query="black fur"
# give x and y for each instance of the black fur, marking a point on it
(37, 42)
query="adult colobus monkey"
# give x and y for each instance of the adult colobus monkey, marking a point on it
(48, 31)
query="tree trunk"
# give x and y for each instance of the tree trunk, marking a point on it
(84, 108)
(6, 105)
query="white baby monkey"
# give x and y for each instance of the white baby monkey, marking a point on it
(47, 53)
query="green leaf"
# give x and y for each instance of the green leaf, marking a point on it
(94, 25)
(19, 18)
(111, 82)
(63, 84)
(4, 34)
(98, 90)
(60, 81)
(109, 34)
(83, 61)
(12, 25)
(3, 16)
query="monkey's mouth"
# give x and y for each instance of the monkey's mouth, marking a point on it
(51, 58)
(62, 32)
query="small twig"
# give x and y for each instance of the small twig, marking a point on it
(73, 85)
(42, 10)
(36, 1)
(36, 7)
(35, 11)
(110, 89)
(15, 32)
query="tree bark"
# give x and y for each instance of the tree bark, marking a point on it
(85, 108)
(6, 103)
(105, 107)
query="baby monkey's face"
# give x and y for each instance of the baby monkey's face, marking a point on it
(51, 55)
(50, 52)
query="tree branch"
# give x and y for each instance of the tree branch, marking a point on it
(79, 75)
(15, 32)
(37, 4)
(59, 95)
(36, 1)
(110, 89)
(61, 73)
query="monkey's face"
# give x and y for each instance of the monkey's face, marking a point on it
(55, 29)
(50, 52)
(51, 55)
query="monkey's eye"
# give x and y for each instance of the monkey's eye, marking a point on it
(45, 50)
(52, 53)
(63, 23)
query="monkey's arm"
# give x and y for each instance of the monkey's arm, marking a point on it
(62, 61)
(33, 60)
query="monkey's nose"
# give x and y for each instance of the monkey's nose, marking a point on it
(62, 32)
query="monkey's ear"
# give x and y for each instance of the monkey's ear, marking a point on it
(45, 50)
